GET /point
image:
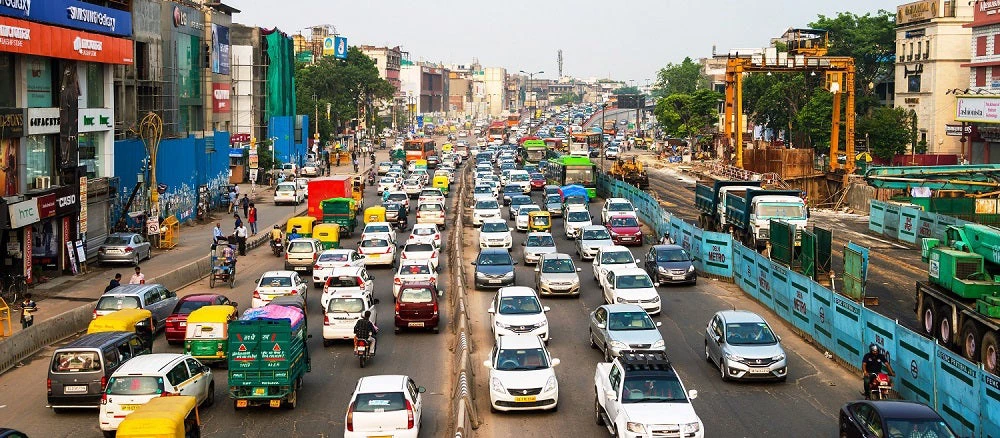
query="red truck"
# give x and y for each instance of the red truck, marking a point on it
(337, 186)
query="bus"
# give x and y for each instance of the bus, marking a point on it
(534, 150)
(513, 120)
(581, 143)
(496, 132)
(555, 144)
(566, 170)
(419, 148)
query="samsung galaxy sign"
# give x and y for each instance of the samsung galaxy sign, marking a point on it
(71, 13)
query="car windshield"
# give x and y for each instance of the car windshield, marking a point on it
(276, 281)
(660, 388)
(519, 305)
(543, 240)
(300, 247)
(918, 428)
(619, 206)
(616, 258)
(430, 207)
(521, 360)
(550, 199)
(377, 229)
(511, 189)
(494, 227)
(135, 385)
(117, 240)
(417, 295)
(387, 180)
(374, 243)
(430, 193)
(187, 306)
(520, 200)
(596, 234)
(286, 187)
(519, 177)
(345, 305)
(749, 333)
(423, 231)
(484, 189)
(412, 182)
(397, 197)
(578, 216)
(419, 247)
(537, 177)
(790, 211)
(637, 281)
(334, 257)
(495, 258)
(415, 269)
(627, 221)
(487, 205)
(379, 402)
(523, 211)
(630, 321)
(117, 303)
(558, 266)
(673, 255)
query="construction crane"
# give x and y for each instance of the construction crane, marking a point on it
(979, 180)
(807, 49)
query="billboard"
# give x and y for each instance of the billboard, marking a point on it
(984, 109)
(340, 47)
(328, 44)
(31, 38)
(73, 14)
(220, 49)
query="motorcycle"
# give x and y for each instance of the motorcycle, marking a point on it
(402, 223)
(880, 387)
(362, 349)
(276, 248)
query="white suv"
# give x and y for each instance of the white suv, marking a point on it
(384, 405)
(517, 310)
(522, 375)
(146, 376)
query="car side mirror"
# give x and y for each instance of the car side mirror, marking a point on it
(546, 309)
(486, 363)
(601, 325)
(421, 389)
(659, 324)
(693, 394)
(206, 368)
(611, 395)
(718, 339)
(490, 310)
(556, 362)
(473, 263)
(524, 243)
(579, 269)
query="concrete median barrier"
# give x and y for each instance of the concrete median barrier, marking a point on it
(465, 417)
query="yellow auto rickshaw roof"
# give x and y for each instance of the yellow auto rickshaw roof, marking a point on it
(119, 321)
(320, 229)
(374, 210)
(305, 223)
(159, 417)
(440, 178)
(214, 313)
(539, 213)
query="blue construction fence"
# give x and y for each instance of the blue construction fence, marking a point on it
(908, 223)
(965, 395)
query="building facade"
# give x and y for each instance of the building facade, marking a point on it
(977, 99)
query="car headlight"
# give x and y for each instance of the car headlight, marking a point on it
(620, 300)
(691, 268)
(542, 323)
(659, 344)
(497, 385)
(661, 269)
(616, 234)
(550, 384)
(619, 345)
(656, 299)
(691, 427)
(734, 357)
(778, 357)
(635, 427)
(480, 275)
(509, 275)
(501, 325)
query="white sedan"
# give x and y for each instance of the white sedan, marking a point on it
(521, 362)
(387, 184)
(485, 209)
(378, 250)
(631, 286)
(411, 271)
(275, 284)
(334, 258)
(516, 310)
(495, 234)
(384, 406)
(420, 251)
(425, 233)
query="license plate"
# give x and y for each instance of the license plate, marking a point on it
(274, 403)
(416, 324)
(359, 350)
(259, 391)
(182, 324)
(759, 371)
(241, 403)
(130, 407)
(300, 268)
(75, 389)
(496, 281)
(678, 277)
(524, 399)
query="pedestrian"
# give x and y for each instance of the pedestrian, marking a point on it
(252, 219)
(28, 309)
(241, 239)
(245, 203)
(115, 282)
(138, 277)
(355, 165)
(232, 201)
(238, 222)
(216, 233)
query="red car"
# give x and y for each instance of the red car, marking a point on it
(625, 230)
(177, 321)
(537, 181)
(417, 306)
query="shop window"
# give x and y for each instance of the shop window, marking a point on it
(39, 158)
(90, 153)
(41, 82)
(913, 84)
(8, 98)
(95, 85)
(981, 46)
(980, 76)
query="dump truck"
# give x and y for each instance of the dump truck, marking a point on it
(710, 198)
(959, 304)
(267, 356)
(320, 189)
(749, 214)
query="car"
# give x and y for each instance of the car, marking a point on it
(520, 178)
(616, 207)
(484, 209)
(130, 248)
(383, 167)
(425, 233)
(611, 257)
(509, 191)
(378, 229)
(334, 258)
(397, 196)
(378, 250)
(431, 213)
(615, 328)
(432, 161)
(482, 191)
(551, 189)
(431, 194)
(625, 230)
(347, 279)
(632, 286)
(535, 244)
(413, 271)
(556, 274)
(537, 181)
(156, 298)
(412, 187)
(521, 222)
(670, 264)
(575, 220)
(288, 193)
(387, 184)
(272, 284)
(311, 169)
(176, 326)
(743, 346)
(494, 233)
(417, 306)
(420, 251)
(385, 404)
(891, 418)
(494, 268)
(301, 254)
(553, 204)
(521, 375)
(572, 202)
(516, 202)
(341, 311)
(591, 239)
(611, 152)
(517, 310)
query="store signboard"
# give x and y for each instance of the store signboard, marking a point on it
(95, 119)
(71, 13)
(30, 38)
(43, 121)
(23, 213)
(982, 109)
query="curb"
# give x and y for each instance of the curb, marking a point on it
(463, 394)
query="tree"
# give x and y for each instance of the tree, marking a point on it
(568, 97)
(626, 90)
(815, 120)
(888, 131)
(683, 78)
(871, 41)
(688, 115)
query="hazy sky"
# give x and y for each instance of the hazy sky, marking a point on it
(624, 40)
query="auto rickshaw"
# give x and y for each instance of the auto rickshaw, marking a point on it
(441, 182)
(174, 416)
(223, 259)
(375, 214)
(304, 223)
(207, 333)
(539, 221)
(138, 321)
(447, 147)
(358, 191)
(328, 235)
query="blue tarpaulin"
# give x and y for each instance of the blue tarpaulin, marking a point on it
(574, 190)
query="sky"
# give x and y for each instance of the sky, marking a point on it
(623, 40)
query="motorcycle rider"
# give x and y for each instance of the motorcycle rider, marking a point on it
(871, 364)
(276, 235)
(364, 329)
(402, 221)
(294, 234)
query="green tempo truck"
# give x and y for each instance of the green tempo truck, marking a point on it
(267, 357)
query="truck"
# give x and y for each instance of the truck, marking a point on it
(710, 199)
(639, 394)
(320, 189)
(267, 356)
(959, 304)
(749, 214)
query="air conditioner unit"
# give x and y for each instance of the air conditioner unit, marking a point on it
(43, 182)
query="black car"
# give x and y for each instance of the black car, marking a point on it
(670, 264)
(509, 191)
(891, 418)
(494, 268)
(433, 160)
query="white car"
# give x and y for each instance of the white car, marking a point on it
(420, 251)
(611, 152)
(347, 279)
(384, 406)
(495, 234)
(617, 207)
(631, 286)
(378, 250)
(288, 193)
(275, 284)
(412, 187)
(521, 223)
(146, 376)
(521, 375)
(576, 219)
(517, 310)
(383, 167)
(387, 184)
(425, 233)
(482, 191)
(334, 258)
(378, 229)
(610, 258)
(431, 194)
(413, 270)
(484, 209)
(431, 213)
(342, 311)
(310, 169)
(520, 178)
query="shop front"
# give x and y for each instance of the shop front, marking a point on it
(11, 130)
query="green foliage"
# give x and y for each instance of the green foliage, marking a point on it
(774, 101)
(688, 115)
(888, 130)
(683, 78)
(871, 41)
(626, 90)
(568, 97)
(815, 120)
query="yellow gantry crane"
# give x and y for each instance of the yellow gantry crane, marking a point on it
(807, 49)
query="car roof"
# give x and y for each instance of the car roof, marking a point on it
(556, 255)
(349, 293)
(616, 308)
(666, 247)
(517, 291)
(737, 316)
(384, 224)
(515, 341)
(411, 262)
(277, 274)
(494, 251)
(630, 271)
(610, 200)
(383, 383)
(338, 251)
(897, 409)
(346, 270)
(593, 227)
(538, 233)
(130, 289)
(614, 248)
(147, 362)
(200, 297)
(494, 220)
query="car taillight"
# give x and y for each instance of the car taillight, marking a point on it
(388, 249)
(397, 307)
(350, 417)
(95, 314)
(128, 249)
(404, 255)
(256, 294)
(326, 320)
(397, 280)
(317, 267)
(435, 307)
(433, 280)
(359, 281)
(315, 257)
(48, 382)
(104, 398)
(437, 236)
(286, 255)
(409, 415)
(434, 255)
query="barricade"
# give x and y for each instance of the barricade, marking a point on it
(466, 416)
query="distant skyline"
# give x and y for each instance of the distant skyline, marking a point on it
(624, 40)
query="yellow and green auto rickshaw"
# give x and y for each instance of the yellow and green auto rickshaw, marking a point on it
(328, 235)
(441, 182)
(375, 214)
(206, 338)
(304, 224)
(138, 321)
(173, 416)
(539, 221)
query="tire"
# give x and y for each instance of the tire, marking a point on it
(210, 400)
(722, 371)
(990, 353)
(943, 328)
(969, 341)
(436, 330)
(597, 413)
(361, 360)
(326, 342)
(592, 343)
(708, 357)
(927, 315)
(135, 260)
(293, 399)
(109, 433)
(211, 280)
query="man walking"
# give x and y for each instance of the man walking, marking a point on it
(138, 277)
(115, 282)
(241, 238)
(245, 203)
(216, 233)
(28, 309)
(252, 219)
(232, 200)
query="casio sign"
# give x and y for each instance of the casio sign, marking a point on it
(66, 201)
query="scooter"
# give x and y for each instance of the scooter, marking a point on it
(362, 349)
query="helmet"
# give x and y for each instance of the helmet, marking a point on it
(873, 348)
(275, 226)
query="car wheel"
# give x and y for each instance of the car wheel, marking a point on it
(598, 418)
(135, 260)
(210, 400)
(708, 357)
(592, 343)
(722, 371)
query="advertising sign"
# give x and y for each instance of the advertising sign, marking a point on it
(25, 37)
(328, 44)
(985, 12)
(984, 109)
(83, 207)
(340, 47)
(916, 11)
(220, 98)
(23, 213)
(956, 130)
(220, 49)
(43, 121)
(71, 13)
(95, 119)
(11, 122)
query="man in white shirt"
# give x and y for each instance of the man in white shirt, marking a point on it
(241, 237)
(138, 277)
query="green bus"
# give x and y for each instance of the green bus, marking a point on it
(534, 150)
(566, 170)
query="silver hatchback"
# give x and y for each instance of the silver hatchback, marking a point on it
(743, 346)
(618, 327)
(556, 274)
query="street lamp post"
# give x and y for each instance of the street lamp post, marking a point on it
(604, 109)
(531, 79)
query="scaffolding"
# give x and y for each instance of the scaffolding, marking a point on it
(147, 85)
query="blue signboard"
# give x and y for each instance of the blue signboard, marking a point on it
(220, 49)
(420, 121)
(340, 47)
(71, 13)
